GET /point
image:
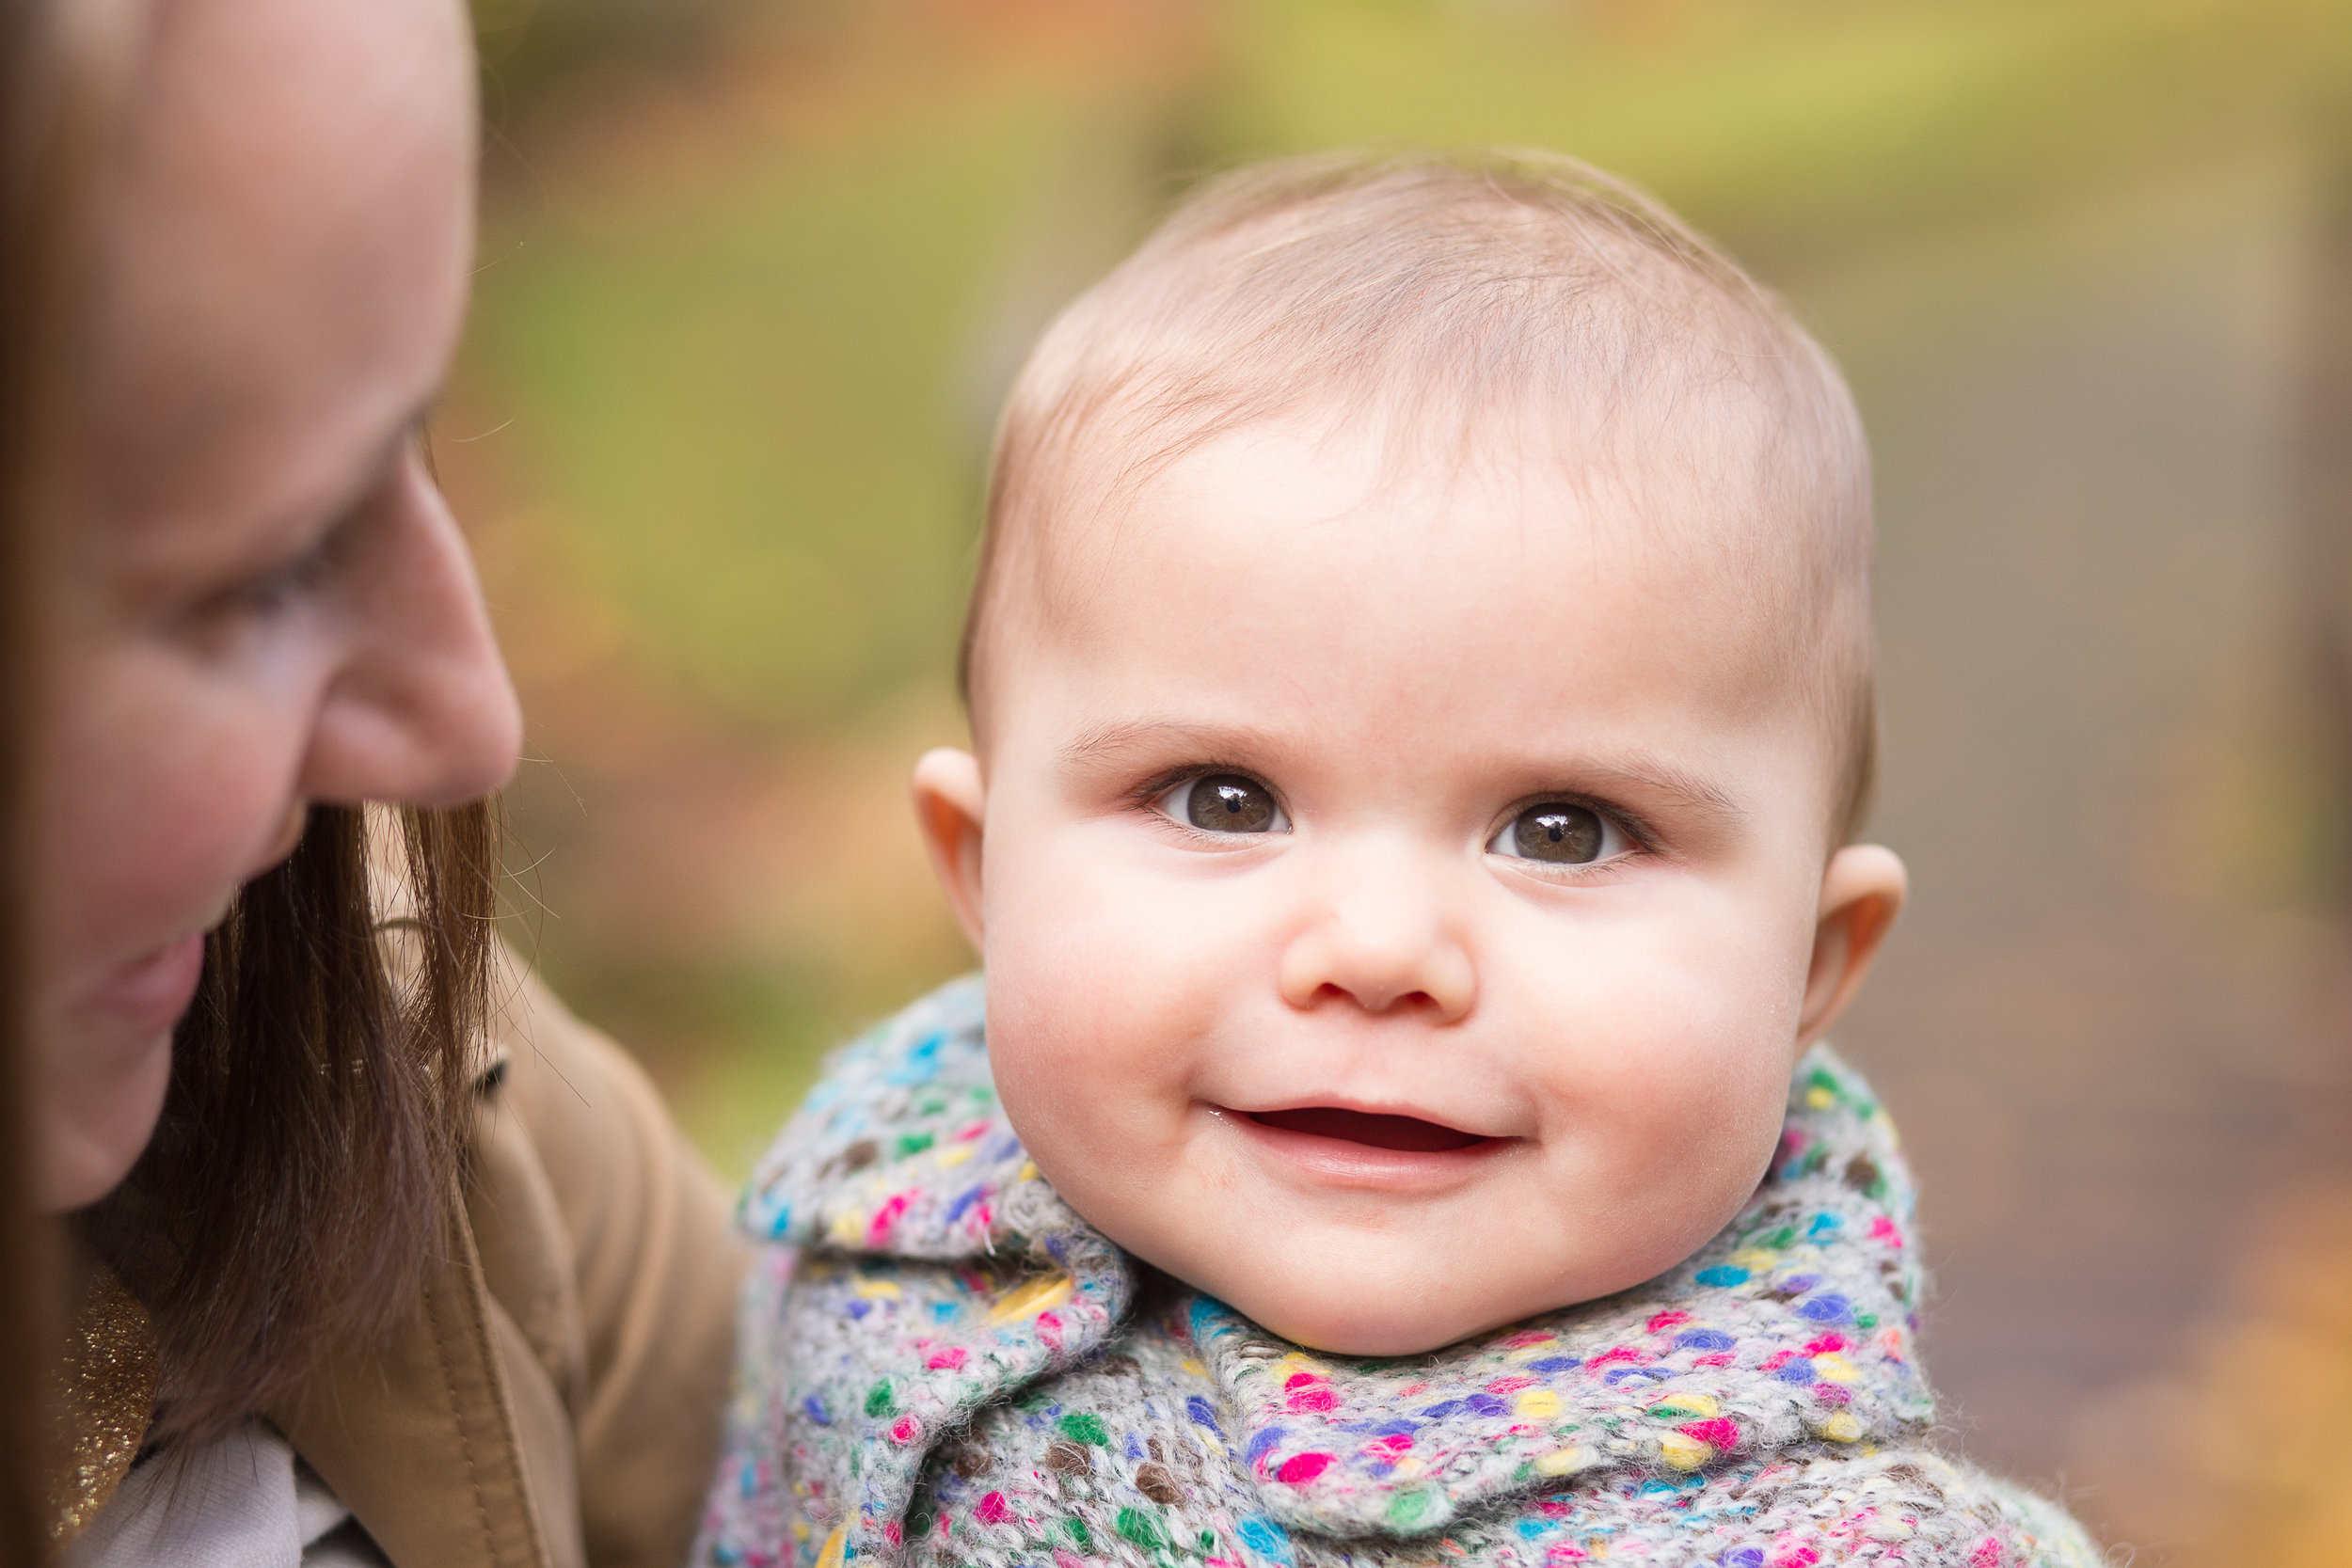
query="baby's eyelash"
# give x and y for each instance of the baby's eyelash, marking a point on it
(1161, 783)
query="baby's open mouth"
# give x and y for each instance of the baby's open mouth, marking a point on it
(1404, 1135)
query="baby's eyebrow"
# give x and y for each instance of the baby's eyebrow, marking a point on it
(1100, 745)
(1657, 777)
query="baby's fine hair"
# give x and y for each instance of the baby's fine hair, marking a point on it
(1449, 293)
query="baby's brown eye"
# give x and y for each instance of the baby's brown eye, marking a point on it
(1557, 831)
(1229, 804)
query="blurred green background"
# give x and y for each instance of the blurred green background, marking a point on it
(754, 272)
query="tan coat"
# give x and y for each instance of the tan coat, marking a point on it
(556, 1402)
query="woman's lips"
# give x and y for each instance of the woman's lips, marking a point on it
(148, 993)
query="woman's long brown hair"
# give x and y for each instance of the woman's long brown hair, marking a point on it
(298, 1186)
(302, 1179)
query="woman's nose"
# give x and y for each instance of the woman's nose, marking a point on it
(421, 711)
(1380, 934)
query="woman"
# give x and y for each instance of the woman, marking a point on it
(368, 1248)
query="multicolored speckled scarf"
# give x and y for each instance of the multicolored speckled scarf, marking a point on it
(943, 1364)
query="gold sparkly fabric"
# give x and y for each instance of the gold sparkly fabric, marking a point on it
(104, 1396)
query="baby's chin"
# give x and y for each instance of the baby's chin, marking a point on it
(1338, 1300)
(1351, 1325)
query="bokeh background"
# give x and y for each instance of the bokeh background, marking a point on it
(754, 272)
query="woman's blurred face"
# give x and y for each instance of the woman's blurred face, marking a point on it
(261, 600)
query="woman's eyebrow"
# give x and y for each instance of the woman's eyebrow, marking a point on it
(380, 462)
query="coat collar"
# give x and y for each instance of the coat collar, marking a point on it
(426, 1413)
(922, 1225)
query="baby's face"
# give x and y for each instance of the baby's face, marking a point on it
(1399, 900)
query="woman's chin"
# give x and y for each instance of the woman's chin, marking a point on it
(97, 1130)
(107, 1064)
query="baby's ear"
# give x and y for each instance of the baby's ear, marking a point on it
(950, 804)
(1862, 891)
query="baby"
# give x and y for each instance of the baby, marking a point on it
(1420, 682)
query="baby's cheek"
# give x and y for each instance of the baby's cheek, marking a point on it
(1090, 1069)
(1663, 1096)
(1703, 1088)
(1110, 978)
(1719, 993)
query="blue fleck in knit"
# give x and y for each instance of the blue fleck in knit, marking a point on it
(943, 1364)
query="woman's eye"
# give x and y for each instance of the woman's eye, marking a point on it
(273, 591)
(1225, 804)
(268, 595)
(1560, 833)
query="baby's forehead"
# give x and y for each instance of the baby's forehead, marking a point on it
(1263, 533)
(1649, 505)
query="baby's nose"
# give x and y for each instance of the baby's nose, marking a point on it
(1384, 952)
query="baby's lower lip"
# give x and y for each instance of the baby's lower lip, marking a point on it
(148, 993)
(1432, 1155)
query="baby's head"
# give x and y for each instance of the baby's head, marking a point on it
(1420, 679)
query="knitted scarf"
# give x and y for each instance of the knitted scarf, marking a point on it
(943, 1364)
